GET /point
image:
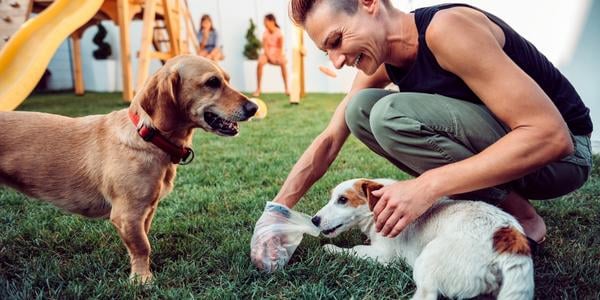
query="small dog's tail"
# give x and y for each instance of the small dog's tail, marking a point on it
(515, 264)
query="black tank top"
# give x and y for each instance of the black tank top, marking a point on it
(426, 75)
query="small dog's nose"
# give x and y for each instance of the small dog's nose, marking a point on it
(316, 220)
(250, 108)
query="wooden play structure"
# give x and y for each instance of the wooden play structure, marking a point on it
(297, 90)
(27, 44)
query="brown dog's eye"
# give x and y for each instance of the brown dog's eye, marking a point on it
(342, 200)
(213, 82)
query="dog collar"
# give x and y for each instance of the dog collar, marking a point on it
(179, 154)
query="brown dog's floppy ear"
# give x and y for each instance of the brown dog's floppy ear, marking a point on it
(160, 99)
(367, 186)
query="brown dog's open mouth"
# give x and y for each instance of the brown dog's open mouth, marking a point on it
(221, 125)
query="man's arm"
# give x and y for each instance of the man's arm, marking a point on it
(466, 43)
(317, 158)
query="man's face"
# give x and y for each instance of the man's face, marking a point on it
(357, 40)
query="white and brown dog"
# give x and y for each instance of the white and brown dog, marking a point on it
(461, 249)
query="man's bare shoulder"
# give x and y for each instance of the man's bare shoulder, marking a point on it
(454, 22)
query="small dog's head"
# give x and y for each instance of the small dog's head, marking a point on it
(351, 202)
(192, 91)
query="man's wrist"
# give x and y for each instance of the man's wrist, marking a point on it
(285, 202)
(432, 183)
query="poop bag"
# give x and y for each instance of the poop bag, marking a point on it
(277, 234)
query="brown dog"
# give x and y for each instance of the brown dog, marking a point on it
(121, 164)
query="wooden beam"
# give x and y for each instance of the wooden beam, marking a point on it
(297, 90)
(145, 49)
(161, 55)
(190, 28)
(123, 23)
(77, 65)
(171, 27)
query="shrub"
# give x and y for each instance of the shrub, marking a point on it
(252, 43)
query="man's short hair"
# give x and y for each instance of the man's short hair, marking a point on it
(300, 9)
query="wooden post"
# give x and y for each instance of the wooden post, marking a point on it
(145, 49)
(76, 60)
(297, 90)
(190, 28)
(123, 23)
(183, 46)
(171, 27)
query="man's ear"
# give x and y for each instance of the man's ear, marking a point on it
(369, 5)
(367, 186)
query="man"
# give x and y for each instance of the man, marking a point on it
(481, 113)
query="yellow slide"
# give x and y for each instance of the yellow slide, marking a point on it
(27, 54)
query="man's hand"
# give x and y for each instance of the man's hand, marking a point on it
(267, 251)
(277, 234)
(399, 205)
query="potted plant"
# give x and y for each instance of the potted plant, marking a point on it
(251, 52)
(252, 43)
(104, 50)
(103, 75)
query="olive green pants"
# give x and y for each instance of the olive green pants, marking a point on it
(418, 132)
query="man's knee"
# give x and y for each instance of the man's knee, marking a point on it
(393, 115)
(357, 111)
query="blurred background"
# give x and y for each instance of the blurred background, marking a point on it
(567, 32)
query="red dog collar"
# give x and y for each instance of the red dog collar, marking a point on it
(179, 154)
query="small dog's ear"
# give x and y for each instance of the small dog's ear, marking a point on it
(160, 99)
(367, 186)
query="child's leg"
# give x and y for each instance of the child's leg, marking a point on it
(262, 60)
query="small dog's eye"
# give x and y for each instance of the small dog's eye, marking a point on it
(213, 82)
(342, 200)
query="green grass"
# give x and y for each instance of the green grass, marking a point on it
(202, 230)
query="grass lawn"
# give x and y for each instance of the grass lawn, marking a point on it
(201, 232)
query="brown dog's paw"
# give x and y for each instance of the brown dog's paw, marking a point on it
(141, 279)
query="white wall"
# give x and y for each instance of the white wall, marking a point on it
(583, 69)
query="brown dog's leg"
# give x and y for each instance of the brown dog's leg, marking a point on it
(130, 224)
(148, 221)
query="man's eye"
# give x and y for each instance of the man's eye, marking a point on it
(342, 200)
(213, 82)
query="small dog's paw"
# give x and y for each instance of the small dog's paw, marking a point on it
(332, 248)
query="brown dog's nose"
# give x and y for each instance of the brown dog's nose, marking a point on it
(316, 220)
(250, 108)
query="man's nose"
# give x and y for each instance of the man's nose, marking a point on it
(337, 59)
(316, 220)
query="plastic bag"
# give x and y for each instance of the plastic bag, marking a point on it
(277, 234)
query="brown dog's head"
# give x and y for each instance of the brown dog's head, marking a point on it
(191, 91)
